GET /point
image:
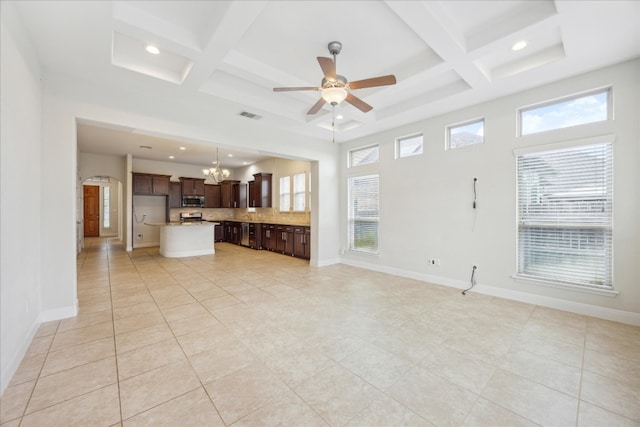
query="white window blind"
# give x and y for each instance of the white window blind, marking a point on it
(364, 201)
(299, 192)
(285, 193)
(565, 215)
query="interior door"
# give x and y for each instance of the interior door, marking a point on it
(91, 194)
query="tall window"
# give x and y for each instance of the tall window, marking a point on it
(364, 201)
(565, 215)
(299, 192)
(285, 193)
(571, 111)
(106, 207)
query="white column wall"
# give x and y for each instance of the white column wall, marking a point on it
(20, 189)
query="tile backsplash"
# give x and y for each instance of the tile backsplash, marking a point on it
(263, 215)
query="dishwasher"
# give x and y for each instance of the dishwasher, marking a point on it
(244, 238)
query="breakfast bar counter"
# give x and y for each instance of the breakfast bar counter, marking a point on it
(185, 239)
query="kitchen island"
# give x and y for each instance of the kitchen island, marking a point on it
(185, 239)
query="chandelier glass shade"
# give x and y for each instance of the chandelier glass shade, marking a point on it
(216, 174)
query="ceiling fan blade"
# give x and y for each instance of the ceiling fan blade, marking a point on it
(373, 82)
(288, 89)
(358, 103)
(328, 68)
(317, 106)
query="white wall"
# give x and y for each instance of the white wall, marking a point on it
(20, 189)
(426, 201)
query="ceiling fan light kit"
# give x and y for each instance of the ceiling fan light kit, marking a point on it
(336, 88)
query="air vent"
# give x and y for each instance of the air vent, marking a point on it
(250, 115)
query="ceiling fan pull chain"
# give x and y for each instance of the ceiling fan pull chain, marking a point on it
(333, 123)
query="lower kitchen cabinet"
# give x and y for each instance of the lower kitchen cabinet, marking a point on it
(301, 242)
(255, 235)
(284, 239)
(219, 233)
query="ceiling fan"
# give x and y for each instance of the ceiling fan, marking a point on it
(335, 88)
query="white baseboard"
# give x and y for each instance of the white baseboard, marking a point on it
(324, 263)
(45, 316)
(58, 313)
(612, 314)
(17, 357)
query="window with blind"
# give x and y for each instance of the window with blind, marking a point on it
(299, 192)
(285, 193)
(364, 201)
(565, 215)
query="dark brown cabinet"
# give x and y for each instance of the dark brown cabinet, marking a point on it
(284, 239)
(260, 191)
(268, 237)
(192, 186)
(175, 195)
(150, 184)
(301, 242)
(233, 194)
(219, 233)
(255, 236)
(212, 195)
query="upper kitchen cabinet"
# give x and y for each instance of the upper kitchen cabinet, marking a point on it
(212, 196)
(150, 184)
(192, 186)
(233, 194)
(260, 191)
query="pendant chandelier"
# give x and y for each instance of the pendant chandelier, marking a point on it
(216, 174)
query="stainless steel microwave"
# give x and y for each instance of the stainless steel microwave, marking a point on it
(193, 201)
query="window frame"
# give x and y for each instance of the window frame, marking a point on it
(463, 124)
(607, 289)
(355, 150)
(401, 139)
(519, 118)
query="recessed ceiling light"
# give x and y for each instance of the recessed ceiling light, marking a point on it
(152, 49)
(339, 117)
(230, 155)
(183, 148)
(519, 45)
(171, 157)
(245, 163)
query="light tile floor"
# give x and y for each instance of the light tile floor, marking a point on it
(252, 338)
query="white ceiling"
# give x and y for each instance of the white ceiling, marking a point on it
(445, 55)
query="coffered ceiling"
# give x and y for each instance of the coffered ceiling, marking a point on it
(445, 54)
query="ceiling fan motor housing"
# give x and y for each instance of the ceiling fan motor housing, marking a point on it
(334, 48)
(341, 81)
